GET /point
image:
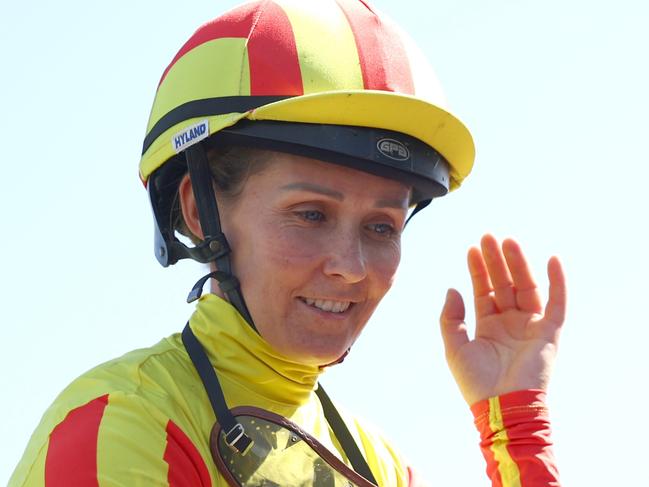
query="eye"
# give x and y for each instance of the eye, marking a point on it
(383, 230)
(312, 215)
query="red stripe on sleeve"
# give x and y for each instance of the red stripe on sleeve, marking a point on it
(480, 412)
(526, 420)
(527, 426)
(383, 58)
(186, 466)
(415, 480)
(72, 451)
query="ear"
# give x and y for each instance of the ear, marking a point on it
(188, 206)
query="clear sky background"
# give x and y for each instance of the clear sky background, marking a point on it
(555, 94)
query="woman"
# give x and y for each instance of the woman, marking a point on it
(291, 141)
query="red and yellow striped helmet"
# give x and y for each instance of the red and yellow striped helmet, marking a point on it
(335, 62)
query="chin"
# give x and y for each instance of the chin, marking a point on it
(319, 342)
(331, 355)
(317, 355)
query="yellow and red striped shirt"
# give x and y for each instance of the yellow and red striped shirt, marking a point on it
(145, 419)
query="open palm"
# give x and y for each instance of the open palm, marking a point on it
(516, 337)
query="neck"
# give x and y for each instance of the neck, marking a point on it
(243, 359)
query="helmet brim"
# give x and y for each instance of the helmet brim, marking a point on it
(397, 112)
(385, 110)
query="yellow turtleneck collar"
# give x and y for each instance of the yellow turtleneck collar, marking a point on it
(245, 362)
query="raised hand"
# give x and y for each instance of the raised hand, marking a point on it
(516, 338)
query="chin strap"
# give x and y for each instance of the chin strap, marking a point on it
(420, 206)
(217, 249)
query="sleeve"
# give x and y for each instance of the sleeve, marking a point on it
(115, 440)
(515, 439)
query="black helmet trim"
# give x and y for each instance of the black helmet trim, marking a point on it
(205, 108)
(381, 152)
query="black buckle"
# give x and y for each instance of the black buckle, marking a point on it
(212, 248)
(227, 283)
(237, 439)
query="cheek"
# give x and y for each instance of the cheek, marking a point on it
(385, 262)
(295, 246)
(279, 261)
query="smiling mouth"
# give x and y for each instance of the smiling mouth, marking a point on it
(328, 305)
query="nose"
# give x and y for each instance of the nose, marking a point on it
(345, 258)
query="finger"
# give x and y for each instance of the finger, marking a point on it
(555, 310)
(503, 287)
(482, 290)
(527, 293)
(454, 333)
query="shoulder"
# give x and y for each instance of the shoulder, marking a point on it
(127, 382)
(132, 412)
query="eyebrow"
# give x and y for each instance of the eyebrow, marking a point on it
(313, 188)
(337, 195)
(396, 204)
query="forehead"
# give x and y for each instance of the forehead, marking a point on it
(288, 171)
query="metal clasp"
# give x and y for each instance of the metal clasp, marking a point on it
(237, 439)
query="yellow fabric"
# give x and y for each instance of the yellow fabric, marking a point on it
(325, 65)
(213, 69)
(146, 388)
(133, 458)
(507, 467)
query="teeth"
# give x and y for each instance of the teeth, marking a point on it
(326, 305)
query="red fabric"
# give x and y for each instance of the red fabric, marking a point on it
(527, 425)
(274, 62)
(272, 52)
(186, 466)
(72, 451)
(383, 58)
(414, 480)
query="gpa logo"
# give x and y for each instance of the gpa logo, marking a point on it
(393, 149)
(190, 136)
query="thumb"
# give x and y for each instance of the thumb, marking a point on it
(454, 332)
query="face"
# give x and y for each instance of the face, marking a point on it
(315, 247)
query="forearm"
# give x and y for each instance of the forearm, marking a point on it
(515, 439)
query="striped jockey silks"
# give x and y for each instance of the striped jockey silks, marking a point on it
(145, 418)
(515, 440)
(79, 455)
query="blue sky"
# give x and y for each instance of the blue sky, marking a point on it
(555, 94)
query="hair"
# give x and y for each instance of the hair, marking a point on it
(230, 167)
